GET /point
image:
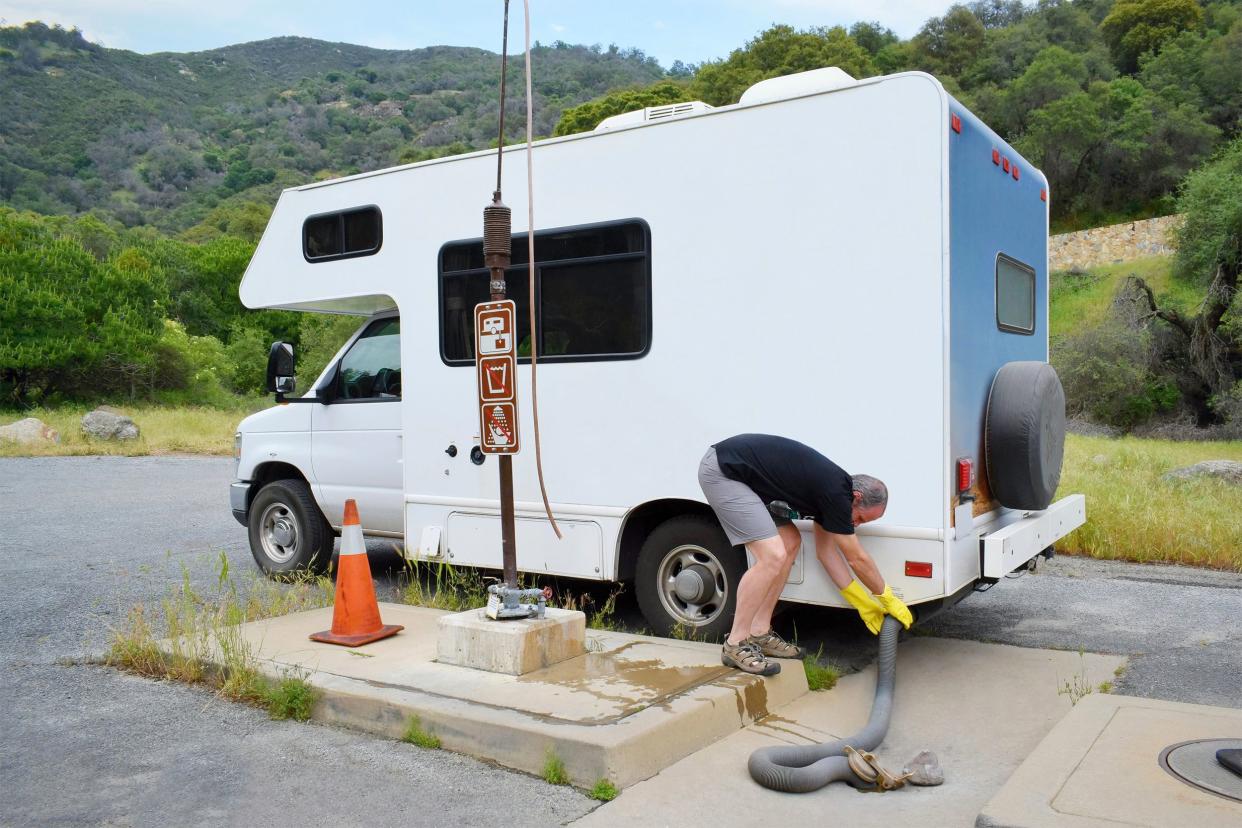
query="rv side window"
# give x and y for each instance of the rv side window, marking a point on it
(593, 287)
(1015, 295)
(342, 235)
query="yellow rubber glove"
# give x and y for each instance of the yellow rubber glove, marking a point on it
(862, 600)
(895, 607)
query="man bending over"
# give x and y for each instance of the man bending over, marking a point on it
(740, 476)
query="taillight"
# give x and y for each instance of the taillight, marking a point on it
(965, 474)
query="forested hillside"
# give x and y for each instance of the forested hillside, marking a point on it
(162, 139)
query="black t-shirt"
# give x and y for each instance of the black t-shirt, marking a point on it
(777, 468)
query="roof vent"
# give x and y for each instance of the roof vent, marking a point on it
(652, 113)
(802, 83)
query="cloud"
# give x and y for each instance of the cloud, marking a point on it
(558, 28)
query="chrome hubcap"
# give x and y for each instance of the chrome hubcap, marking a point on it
(692, 585)
(278, 530)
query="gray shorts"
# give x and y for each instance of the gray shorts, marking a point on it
(742, 514)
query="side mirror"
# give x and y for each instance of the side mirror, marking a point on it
(280, 368)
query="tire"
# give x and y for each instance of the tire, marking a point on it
(287, 531)
(687, 575)
(1024, 435)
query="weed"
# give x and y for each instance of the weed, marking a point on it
(202, 641)
(1104, 687)
(1078, 685)
(820, 675)
(603, 790)
(290, 698)
(1120, 671)
(442, 586)
(606, 617)
(683, 632)
(416, 734)
(554, 769)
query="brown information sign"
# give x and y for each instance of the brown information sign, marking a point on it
(496, 369)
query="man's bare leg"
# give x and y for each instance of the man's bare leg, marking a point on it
(753, 587)
(791, 538)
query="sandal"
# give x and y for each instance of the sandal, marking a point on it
(773, 646)
(748, 658)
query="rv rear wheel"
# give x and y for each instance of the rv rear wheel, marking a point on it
(686, 578)
(288, 533)
(1024, 435)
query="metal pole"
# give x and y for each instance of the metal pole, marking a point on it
(508, 547)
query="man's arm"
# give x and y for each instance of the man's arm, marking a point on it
(857, 558)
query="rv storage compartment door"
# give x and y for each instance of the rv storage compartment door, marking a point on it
(1006, 549)
(474, 540)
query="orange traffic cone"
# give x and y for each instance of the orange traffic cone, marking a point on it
(355, 614)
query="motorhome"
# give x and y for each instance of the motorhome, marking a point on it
(860, 265)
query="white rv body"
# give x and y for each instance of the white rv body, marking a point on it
(799, 261)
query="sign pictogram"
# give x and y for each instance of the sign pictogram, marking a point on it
(495, 369)
(500, 429)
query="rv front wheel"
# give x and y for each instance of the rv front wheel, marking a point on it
(686, 578)
(288, 533)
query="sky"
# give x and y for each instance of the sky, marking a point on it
(688, 30)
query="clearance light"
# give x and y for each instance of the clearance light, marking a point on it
(996, 157)
(1043, 195)
(956, 123)
(965, 474)
(1005, 164)
(1016, 172)
(918, 569)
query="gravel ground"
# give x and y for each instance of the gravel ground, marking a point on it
(85, 538)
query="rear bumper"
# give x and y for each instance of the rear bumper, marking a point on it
(1007, 548)
(239, 498)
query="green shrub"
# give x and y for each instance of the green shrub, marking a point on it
(603, 790)
(190, 369)
(554, 769)
(1104, 370)
(416, 734)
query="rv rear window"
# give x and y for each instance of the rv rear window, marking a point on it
(593, 286)
(342, 235)
(1015, 295)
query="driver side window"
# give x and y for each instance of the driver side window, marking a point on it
(371, 368)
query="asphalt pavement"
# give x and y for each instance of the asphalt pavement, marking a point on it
(83, 539)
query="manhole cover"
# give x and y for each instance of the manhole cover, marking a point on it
(1195, 764)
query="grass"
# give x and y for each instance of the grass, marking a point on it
(1135, 515)
(1081, 301)
(603, 790)
(194, 637)
(820, 674)
(442, 586)
(163, 430)
(416, 734)
(554, 769)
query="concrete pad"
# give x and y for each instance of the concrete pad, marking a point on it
(516, 647)
(1099, 767)
(980, 707)
(627, 708)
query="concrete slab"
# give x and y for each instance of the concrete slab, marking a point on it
(517, 647)
(627, 708)
(980, 707)
(1099, 767)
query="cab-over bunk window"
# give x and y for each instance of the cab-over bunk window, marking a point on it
(592, 291)
(342, 235)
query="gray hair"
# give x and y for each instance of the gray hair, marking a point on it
(873, 491)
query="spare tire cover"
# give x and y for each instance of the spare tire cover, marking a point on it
(1024, 434)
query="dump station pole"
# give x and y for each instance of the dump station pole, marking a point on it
(498, 427)
(496, 256)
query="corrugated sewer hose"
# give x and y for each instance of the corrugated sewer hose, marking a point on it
(803, 768)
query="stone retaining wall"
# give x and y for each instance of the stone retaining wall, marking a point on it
(1110, 245)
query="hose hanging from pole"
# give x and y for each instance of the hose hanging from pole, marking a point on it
(530, 259)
